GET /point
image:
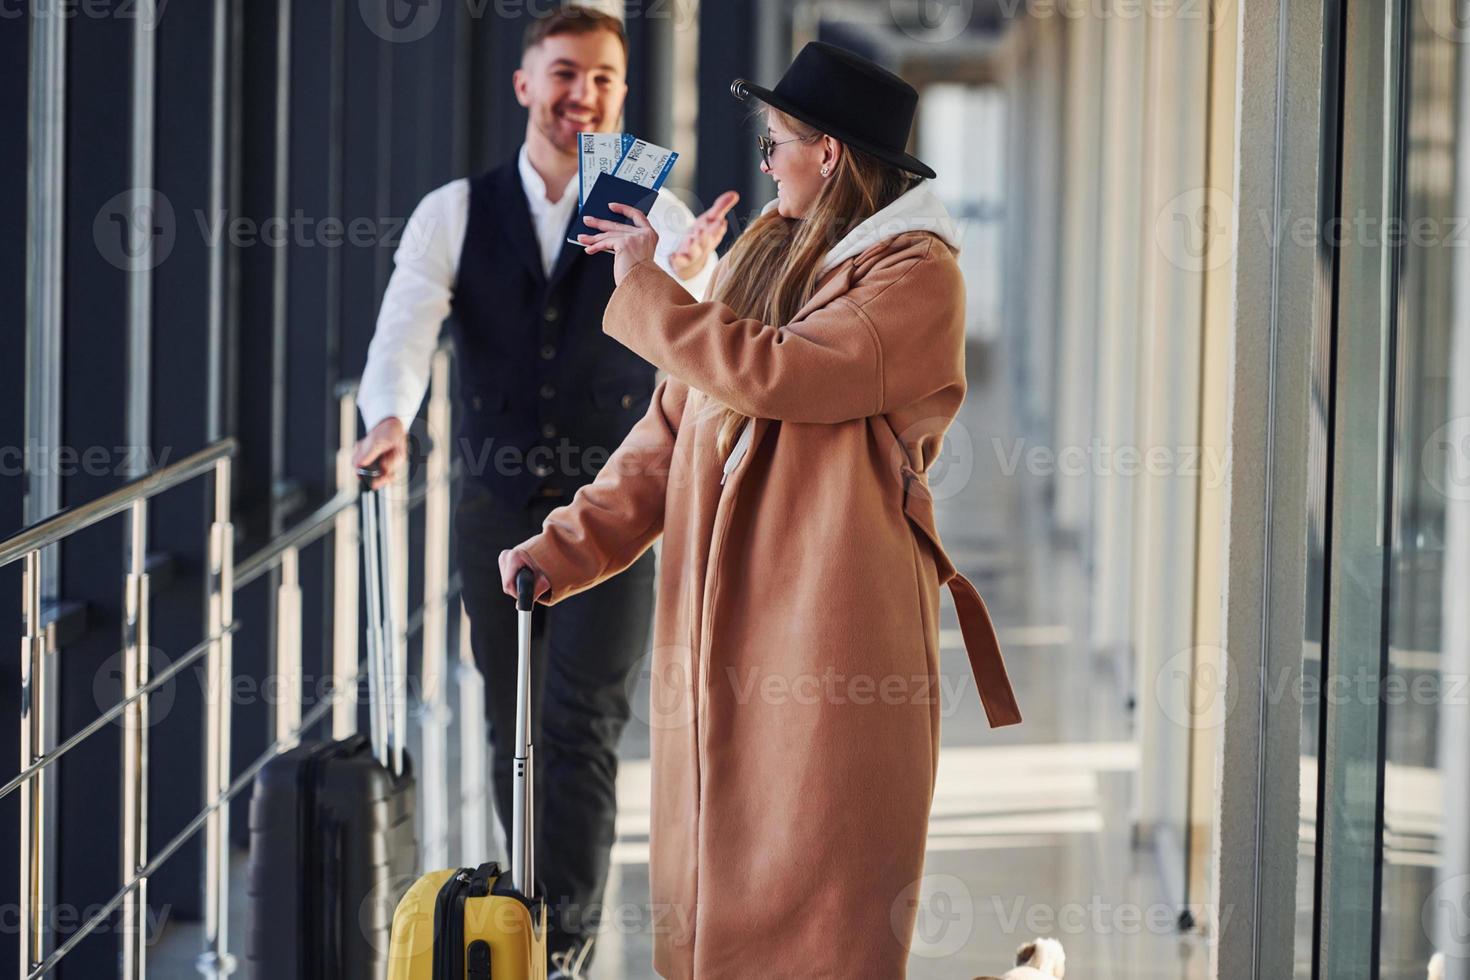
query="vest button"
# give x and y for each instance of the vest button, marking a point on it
(475, 401)
(547, 391)
(627, 401)
(549, 431)
(550, 314)
(541, 470)
(548, 352)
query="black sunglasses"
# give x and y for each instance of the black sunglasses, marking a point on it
(767, 145)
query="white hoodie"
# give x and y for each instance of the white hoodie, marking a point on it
(917, 209)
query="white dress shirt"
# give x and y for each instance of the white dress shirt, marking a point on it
(426, 265)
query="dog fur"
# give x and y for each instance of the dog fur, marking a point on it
(1040, 959)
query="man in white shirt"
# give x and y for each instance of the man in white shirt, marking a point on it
(545, 398)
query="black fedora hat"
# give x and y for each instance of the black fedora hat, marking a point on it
(847, 97)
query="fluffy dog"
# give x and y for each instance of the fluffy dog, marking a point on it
(1040, 959)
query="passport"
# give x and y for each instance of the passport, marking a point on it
(605, 191)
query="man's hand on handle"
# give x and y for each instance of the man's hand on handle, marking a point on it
(512, 561)
(386, 446)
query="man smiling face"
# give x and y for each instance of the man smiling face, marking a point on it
(573, 82)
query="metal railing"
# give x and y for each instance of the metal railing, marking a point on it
(336, 517)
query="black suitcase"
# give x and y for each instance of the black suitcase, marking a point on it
(332, 845)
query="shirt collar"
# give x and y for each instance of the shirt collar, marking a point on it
(536, 187)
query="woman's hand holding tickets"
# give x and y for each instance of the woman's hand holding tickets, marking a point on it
(638, 242)
(630, 244)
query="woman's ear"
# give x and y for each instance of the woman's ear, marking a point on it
(831, 154)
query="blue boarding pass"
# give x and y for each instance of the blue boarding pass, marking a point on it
(616, 167)
(646, 164)
(598, 153)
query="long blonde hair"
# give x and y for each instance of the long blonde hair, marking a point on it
(773, 268)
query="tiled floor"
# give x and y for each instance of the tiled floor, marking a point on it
(1030, 832)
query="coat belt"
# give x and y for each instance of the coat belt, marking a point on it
(981, 643)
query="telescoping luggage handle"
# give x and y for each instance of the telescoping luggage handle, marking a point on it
(387, 705)
(523, 838)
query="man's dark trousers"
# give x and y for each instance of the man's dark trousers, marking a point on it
(583, 651)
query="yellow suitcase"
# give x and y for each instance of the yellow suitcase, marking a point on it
(467, 924)
(481, 923)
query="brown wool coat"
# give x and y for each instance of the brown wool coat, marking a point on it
(795, 715)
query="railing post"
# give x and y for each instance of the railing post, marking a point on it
(32, 795)
(345, 656)
(288, 650)
(215, 960)
(395, 514)
(135, 747)
(434, 712)
(474, 789)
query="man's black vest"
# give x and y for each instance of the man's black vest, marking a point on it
(546, 396)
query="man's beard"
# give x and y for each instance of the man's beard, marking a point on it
(550, 125)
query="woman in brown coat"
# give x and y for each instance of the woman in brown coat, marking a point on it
(795, 717)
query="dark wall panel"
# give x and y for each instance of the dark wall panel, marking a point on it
(14, 68)
(255, 366)
(497, 121)
(367, 138)
(726, 143)
(179, 524)
(313, 298)
(100, 235)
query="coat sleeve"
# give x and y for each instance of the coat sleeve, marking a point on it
(896, 336)
(615, 518)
